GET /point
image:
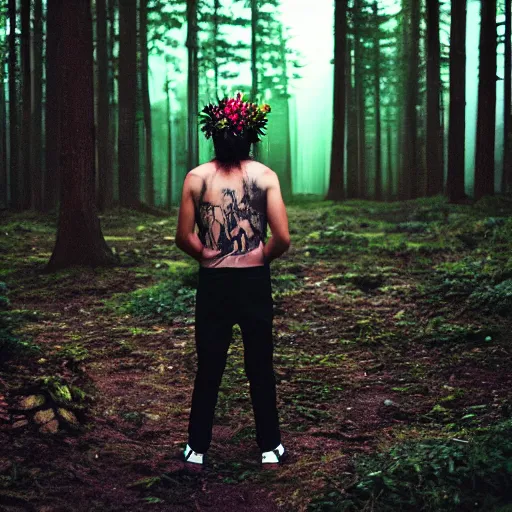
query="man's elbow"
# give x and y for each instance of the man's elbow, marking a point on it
(178, 240)
(285, 243)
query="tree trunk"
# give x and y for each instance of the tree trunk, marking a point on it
(457, 107)
(216, 8)
(336, 190)
(112, 8)
(360, 102)
(52, 114)
(79, 236)
(352, 165)
(434, 168)
(103, 113)
(14, 132)
(26, 104)
(37, 113)
(127, 144)
(193, 85)
(485, 131)
(254, 67)
(3, 143)
(169, 146)
(410, 142)
(506, 180)
(402, 185)
(287, 171)
(378, 137)
(441, 140)
(389, 184)
(146, 105)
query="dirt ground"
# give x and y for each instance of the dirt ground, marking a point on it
(377, 340)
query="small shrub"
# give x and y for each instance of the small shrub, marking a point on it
(432, 475)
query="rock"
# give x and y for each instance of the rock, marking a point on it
(51, 427)
(68, 417)
(389, 402)
(154, 417)
(41, 417)
(19, 423)
(30, 402)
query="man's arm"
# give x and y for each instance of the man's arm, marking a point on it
(277, 219)
(186, 239)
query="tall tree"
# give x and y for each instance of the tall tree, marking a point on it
(434, 167)
(506, 180)
(26, 94)
(254, 62)
(389, 183)
(457, 108)
(287, 170)
(112, 9)
(103, 110)
(192, 85)
(352, 154)
(36, 162)
(410, 121)
(52, 114)
(169, 142)
(3, 122)
(127, 144)
(146, 105)
(336, 190)
(254, 49)
(442, 144)
(79, 236)
(485, 131)
(359, 75)
(14, 132)
(378, 128)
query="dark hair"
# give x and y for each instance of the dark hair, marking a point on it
(230, 150)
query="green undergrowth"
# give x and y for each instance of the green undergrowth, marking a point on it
(432, 474)
(12, 345)
(171, 297)
(485, 283)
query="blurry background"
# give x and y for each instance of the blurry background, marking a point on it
(289, 63)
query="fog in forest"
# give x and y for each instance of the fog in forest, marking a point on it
(311, 101)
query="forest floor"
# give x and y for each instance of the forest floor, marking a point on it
(392, 323)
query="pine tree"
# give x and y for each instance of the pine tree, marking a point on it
(485, 132)
(457, 116)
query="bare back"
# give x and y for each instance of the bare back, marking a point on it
(231, 213)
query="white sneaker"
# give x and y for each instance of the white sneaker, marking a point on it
(192, 456)
(273, 456)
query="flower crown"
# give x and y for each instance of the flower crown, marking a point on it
(235, 115)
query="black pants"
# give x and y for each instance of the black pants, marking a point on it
(228, 296)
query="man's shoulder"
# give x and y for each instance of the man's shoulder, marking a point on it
(201, 170)
(264, 174)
